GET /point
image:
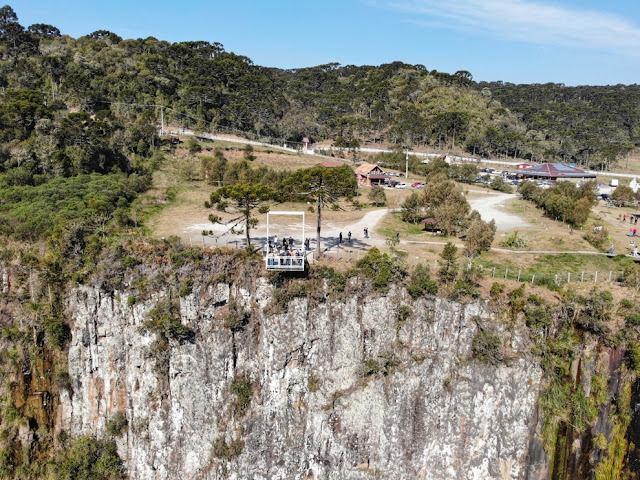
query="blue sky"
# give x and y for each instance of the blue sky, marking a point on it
(575, 42)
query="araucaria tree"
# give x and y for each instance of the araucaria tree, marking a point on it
(323, 186)
(243, 200)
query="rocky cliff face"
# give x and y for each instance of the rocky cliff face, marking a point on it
(343, 389)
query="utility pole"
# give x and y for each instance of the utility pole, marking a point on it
(406, 172)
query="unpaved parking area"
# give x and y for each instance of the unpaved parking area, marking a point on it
(492, 207)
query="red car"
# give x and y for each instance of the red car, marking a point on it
(417, 184)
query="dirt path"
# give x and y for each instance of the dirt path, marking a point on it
(492, 207)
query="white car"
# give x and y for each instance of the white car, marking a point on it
(401, 185)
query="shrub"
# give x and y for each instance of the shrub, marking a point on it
(516, 301)
(6, 461)
(598, 237)
(515, 241)
(164, 320)
(88, 458)
(380, 268)
(633, 319)
(499, 184)
(227, 451)
(130, 261)
(384, 363)
(57, 332)
(632, 358)
(237, 317)
(626, 304)
(537, 317)
(337, 281)
(186, 287)
(497, 289)
(584, 411)
(420, 283)
(116, 424)
(631, 276)
(594, 312)
(465, 288)
(242, 388)
(284, 295)
(486, 347)
(194, 146)
(313, 383)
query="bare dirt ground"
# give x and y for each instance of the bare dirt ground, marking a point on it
(491, 206)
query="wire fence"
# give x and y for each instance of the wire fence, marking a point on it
(552, 278)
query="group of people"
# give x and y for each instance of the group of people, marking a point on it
(277, 249)
(285, 247)
(340, 237)
(633, 232)
(366, 235)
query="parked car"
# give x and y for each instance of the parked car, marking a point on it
(417, 184)
(401, 185)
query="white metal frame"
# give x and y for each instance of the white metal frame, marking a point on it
(285, 263)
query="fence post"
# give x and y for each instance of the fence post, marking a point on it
(610, 273)
(595, 279)
(533, 277)
(505, 273)
(494, 272)
(569, 277)
(582, 278)
(556, 279)
(519, 270)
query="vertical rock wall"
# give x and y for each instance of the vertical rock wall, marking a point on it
(314, 413)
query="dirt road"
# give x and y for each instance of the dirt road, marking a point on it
(492, 206)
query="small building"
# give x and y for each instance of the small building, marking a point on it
(554, 171)
(522, 166)
(365, 171)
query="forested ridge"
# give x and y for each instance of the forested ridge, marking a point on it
(71, 106)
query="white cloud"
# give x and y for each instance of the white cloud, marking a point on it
(527, 21)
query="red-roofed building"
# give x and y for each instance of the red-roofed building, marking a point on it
(370, 174)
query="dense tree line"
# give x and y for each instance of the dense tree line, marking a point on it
(588, 125)
(563, 201)
(110, 85)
